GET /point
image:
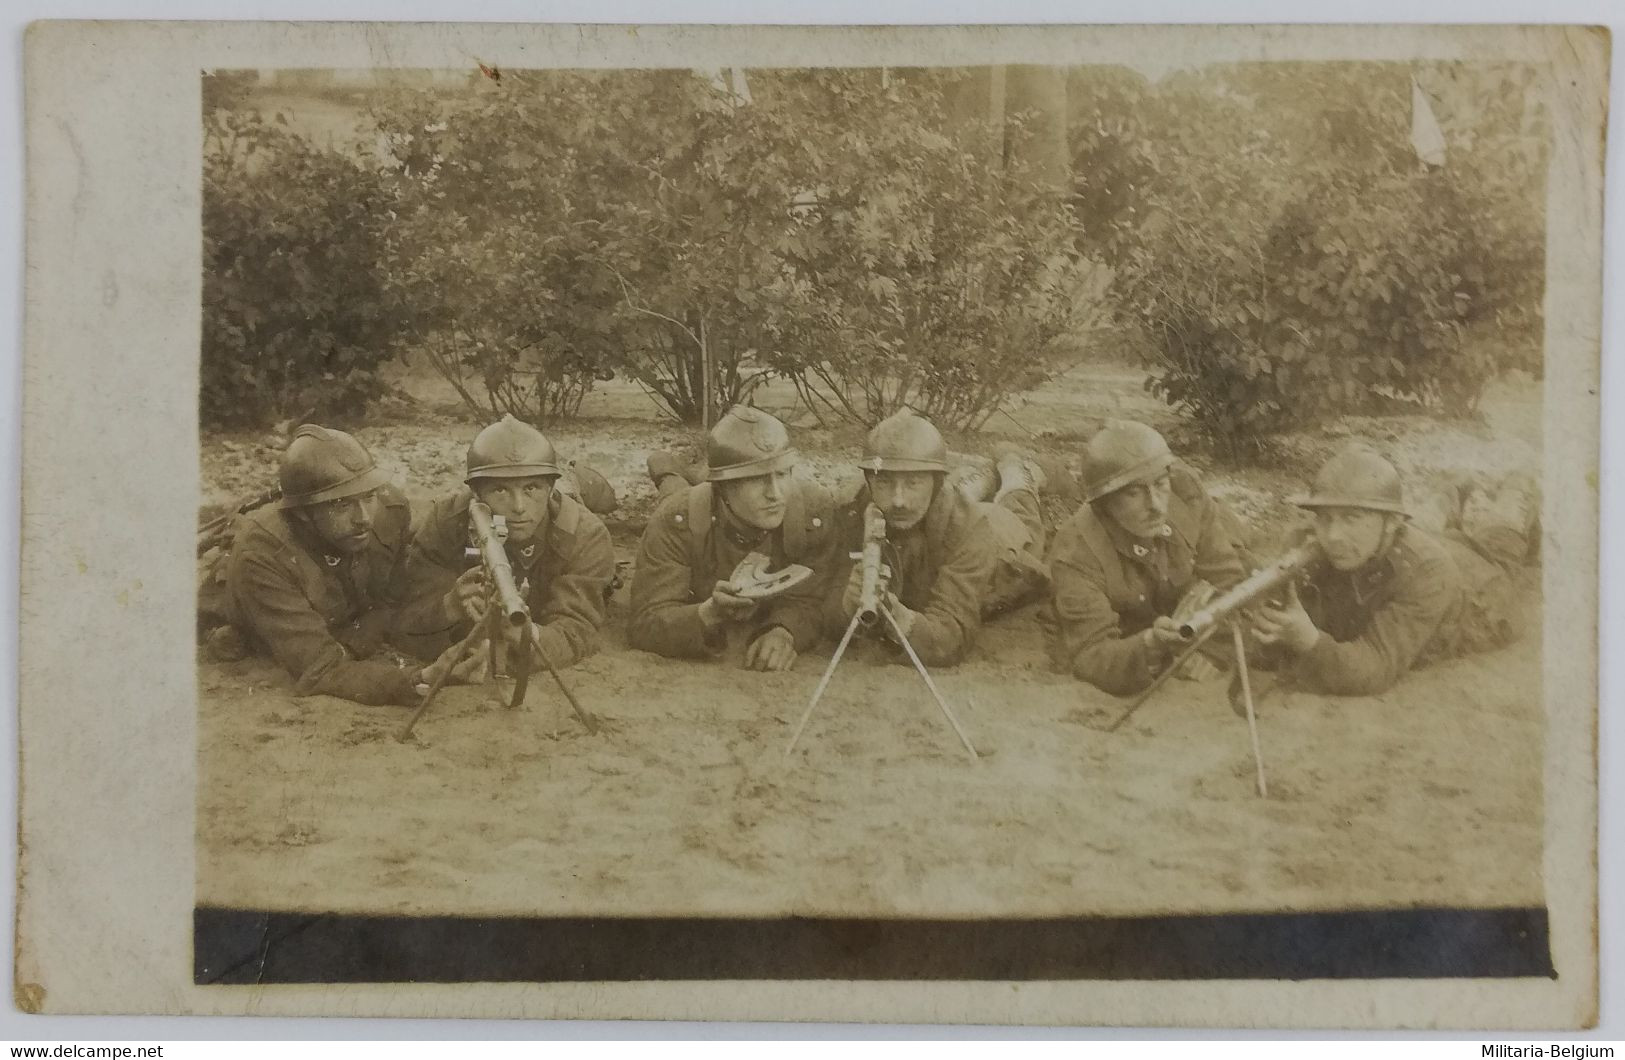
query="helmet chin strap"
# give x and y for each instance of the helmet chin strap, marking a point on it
(1391, 525)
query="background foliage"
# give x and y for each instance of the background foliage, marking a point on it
(295, 318)
(1274, 250)
(660, 224)
(1294, 260)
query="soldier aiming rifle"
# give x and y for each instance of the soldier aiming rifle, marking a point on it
(506, 621)
(510, 531)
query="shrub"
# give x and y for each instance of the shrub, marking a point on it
(294, 323)
(664, 225)
(918, 272)
(1301, 263)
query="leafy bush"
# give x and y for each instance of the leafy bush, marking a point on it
(1296, 261)
(294, 322)
(568, 224)
(917, 272)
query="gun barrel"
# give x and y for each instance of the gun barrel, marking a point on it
(496, 562)
(1263, 581)
(874, 535)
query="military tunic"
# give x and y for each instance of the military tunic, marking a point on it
(1107, 588)
(680, 563)
(563, 576)
(941, 569)
(322, 615)
(1424, 599)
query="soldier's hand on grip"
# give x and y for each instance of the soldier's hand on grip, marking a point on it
(1286, 623)
(465, 600)
(853, 594)
(901, 614)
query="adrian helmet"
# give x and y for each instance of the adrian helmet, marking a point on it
(748, 442)
(322, 464)
(511, 449)
(1120, 454)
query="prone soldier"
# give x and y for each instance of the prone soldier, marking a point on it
(684, 599)
(1121, 567)
(1384, 595)
(317, 579)
(953, 558)
(559, 550)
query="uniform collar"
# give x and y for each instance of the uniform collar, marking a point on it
(1379, 569)
(527, 554)
(734, 528)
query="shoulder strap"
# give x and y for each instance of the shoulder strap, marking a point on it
(699, 523)
(807, 514)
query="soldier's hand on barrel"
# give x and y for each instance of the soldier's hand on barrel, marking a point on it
(1164, 635)
(465, 600)
(1286, 623)
(774, 650)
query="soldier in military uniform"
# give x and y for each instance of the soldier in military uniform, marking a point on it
(317, 580)
(1147, 535)
(944, 551)
(684, 604)
(1386, 596)
(560, 551)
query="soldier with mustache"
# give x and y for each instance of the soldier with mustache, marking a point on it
(954, 559)
(1146, 537)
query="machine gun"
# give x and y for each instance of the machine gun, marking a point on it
(1225, 610)
(874, 543)
(1259, 584)
(870, 609)
(505, 605)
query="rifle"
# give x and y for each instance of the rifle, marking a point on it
(505, 604)
(217, 531)
(872, 606)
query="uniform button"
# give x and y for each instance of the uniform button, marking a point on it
(818, 522)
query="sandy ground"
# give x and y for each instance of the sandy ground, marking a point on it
(685, 804)
(1430, 795)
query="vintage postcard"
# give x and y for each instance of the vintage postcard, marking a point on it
(1062, 525)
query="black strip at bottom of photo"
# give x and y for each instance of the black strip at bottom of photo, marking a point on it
(240, 946)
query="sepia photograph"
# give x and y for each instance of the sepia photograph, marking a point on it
(873, 493)
(930, 520)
